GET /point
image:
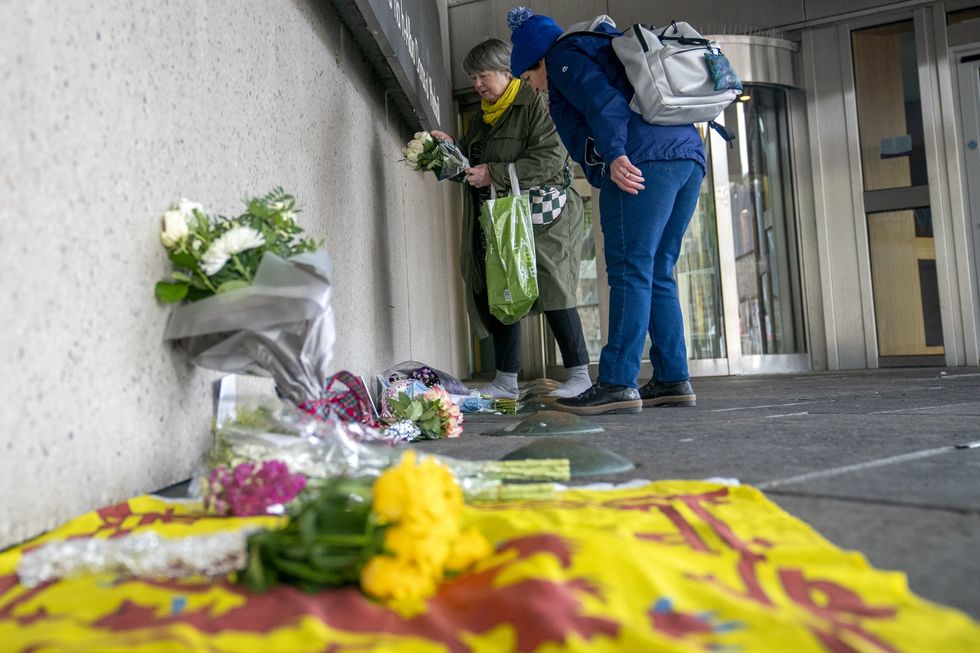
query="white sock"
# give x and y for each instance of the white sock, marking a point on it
(578, 381)
(504, 386)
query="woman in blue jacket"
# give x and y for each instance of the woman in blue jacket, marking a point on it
(650, 179)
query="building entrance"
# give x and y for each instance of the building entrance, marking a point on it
(896, 195)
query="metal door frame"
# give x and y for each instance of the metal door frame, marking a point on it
(967, 77)
(924, 29)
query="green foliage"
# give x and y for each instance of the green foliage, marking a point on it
(424, 412)
(169, 293)
(324, 544)
(272, 216)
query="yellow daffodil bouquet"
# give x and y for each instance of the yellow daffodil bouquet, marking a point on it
(396, 536)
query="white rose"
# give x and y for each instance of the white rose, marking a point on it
(412, 157)
(175, 229)
(415, 146)
(421, 136)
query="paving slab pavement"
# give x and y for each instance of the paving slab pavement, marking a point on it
(885, 462)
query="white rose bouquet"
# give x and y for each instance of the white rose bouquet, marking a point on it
(213, 255)
(252, 296)
(443, 158)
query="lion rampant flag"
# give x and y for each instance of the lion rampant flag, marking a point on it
(676, 566)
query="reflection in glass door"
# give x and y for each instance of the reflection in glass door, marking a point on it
(767, 268)
(698, 276)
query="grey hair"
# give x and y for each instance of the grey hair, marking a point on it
(492, 54)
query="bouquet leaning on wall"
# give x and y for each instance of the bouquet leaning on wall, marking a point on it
(251, 295)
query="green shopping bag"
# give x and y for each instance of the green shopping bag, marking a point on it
(512, 273)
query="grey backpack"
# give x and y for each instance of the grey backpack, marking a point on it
(674, 72)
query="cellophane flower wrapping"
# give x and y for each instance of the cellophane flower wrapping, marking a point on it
(453, 162)
(425, 374)
(280, 326)
(267, 429)
(443, 158)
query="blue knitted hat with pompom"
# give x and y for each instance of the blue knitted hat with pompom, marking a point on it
(532, 36)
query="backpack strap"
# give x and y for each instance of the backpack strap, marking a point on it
(588, 27)
(726, 135)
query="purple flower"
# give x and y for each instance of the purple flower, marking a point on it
(426, 375)
(251, 490)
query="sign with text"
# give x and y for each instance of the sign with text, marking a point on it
(409, 35)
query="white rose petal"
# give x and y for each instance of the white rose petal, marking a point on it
(175, 229)
(412, 157)
(415, 146)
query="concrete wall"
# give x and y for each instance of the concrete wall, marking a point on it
(110, 112)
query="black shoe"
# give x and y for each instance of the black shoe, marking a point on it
(601, 399)
(677, 393)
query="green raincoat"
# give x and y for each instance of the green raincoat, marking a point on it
(526, 136)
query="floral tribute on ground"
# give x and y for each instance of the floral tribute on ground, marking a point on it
(397, 536)
(432, 412)
(248, 489)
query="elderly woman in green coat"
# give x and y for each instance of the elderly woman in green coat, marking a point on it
(514, 127)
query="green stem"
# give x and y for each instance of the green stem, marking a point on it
(531, 469)
(515, 492)
(241, 269)
(207, 282)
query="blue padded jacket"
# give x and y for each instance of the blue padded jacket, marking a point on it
(589, 97)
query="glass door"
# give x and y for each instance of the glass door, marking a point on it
(896, 195)
(763, 232)
(969, 87)
(699, 284)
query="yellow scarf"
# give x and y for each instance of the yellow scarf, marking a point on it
(492, 112)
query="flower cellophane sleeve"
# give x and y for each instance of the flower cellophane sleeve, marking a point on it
(454, 162)
(263, 428)
(404, 369)
(281, 326)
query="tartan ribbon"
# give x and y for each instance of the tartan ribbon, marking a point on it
(346, 397)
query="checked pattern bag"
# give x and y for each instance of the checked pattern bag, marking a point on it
(546, 203)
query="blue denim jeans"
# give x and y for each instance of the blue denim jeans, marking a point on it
(643, 235)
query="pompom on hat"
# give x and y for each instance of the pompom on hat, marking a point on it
(532, 36)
